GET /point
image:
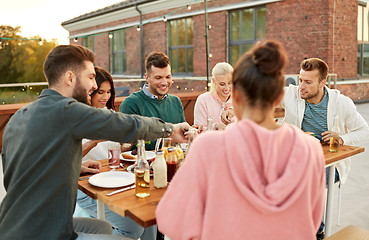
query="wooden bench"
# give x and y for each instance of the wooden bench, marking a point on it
(350, 233)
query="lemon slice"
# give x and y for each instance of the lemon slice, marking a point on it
(147, 176)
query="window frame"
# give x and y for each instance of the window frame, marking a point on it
(177, 47)
(122, 51)
(86, 44)
(242, 42)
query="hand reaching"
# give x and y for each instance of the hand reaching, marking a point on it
(90, 166)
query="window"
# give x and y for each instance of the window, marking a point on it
(89, 42)
(246, 26)
(181, 46)
(363, 42)
(118, 52)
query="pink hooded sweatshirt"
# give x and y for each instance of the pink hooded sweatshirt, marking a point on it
(247, 182)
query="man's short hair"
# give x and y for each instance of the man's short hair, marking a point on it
(156, 59)
(65, 58)
(311, 64)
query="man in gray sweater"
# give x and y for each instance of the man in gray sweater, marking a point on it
(42, 151)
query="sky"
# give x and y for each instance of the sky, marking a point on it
(44, 17)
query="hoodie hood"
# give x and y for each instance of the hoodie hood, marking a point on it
(271, 173)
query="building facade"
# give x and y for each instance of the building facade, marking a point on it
(122, 35)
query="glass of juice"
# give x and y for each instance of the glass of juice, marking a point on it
(114, 154)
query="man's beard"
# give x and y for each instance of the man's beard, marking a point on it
(79, 93)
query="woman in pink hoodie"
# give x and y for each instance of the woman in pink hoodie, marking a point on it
(256, 179)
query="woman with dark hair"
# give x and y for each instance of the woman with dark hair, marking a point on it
(256, 179)
(103, 97)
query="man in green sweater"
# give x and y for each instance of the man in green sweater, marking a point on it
(153, 100)
(42, 150)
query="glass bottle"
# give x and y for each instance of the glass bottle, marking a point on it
(160, 170)
(142, 172)
(334, 142)
(172, 163)
(209, 125)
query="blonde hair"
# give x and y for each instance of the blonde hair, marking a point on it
(220, 69)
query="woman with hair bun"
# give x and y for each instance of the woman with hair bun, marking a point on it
(256, 179)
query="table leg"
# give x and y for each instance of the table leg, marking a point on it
(330, 196)
(100, 210)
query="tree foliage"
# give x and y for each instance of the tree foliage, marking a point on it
(21, 61)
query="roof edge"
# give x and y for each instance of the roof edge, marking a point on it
(108, 9)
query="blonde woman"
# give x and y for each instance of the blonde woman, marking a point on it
(218, 99)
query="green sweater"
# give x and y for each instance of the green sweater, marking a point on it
(169, 109)
(41, 159)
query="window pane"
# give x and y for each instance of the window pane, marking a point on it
(181, 60)
(88, 42)
(246, 47)
(172, 30)
(359, 47)
(247, 24)
(118, 63)
(181, 32)
(173, 60)
(260, 23)
(366, 60)
(118, 40)
(235, 26)
(234, 54)
(124, 65)
(180, 45)
(189, 31)
(190, 60)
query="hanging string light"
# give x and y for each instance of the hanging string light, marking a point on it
(110, 35)
(76, 40)
(189, 7)
(165, 19)
(138, 28)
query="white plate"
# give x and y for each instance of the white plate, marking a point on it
(112, 179)
(149, 155)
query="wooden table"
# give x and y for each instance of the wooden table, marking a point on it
(331, 159)
(350, 232)
(142, 211)
(126, 203)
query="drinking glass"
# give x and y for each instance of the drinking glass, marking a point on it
(114, 154)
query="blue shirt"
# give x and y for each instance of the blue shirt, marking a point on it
(146, 90)
(315, 117)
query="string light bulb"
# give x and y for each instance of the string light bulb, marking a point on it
(0, 40)
(40, 42)
(165, 19)
(210, 55)
(110, 35)
(188, 7)
(138, 28)
(209, 27)
(76, 40)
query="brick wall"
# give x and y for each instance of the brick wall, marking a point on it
(302, 27)
(306, 30)
(342, 50)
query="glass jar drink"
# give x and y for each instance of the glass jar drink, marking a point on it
(142, 172)
(334, 141)
(114, 154)
(172, 163)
